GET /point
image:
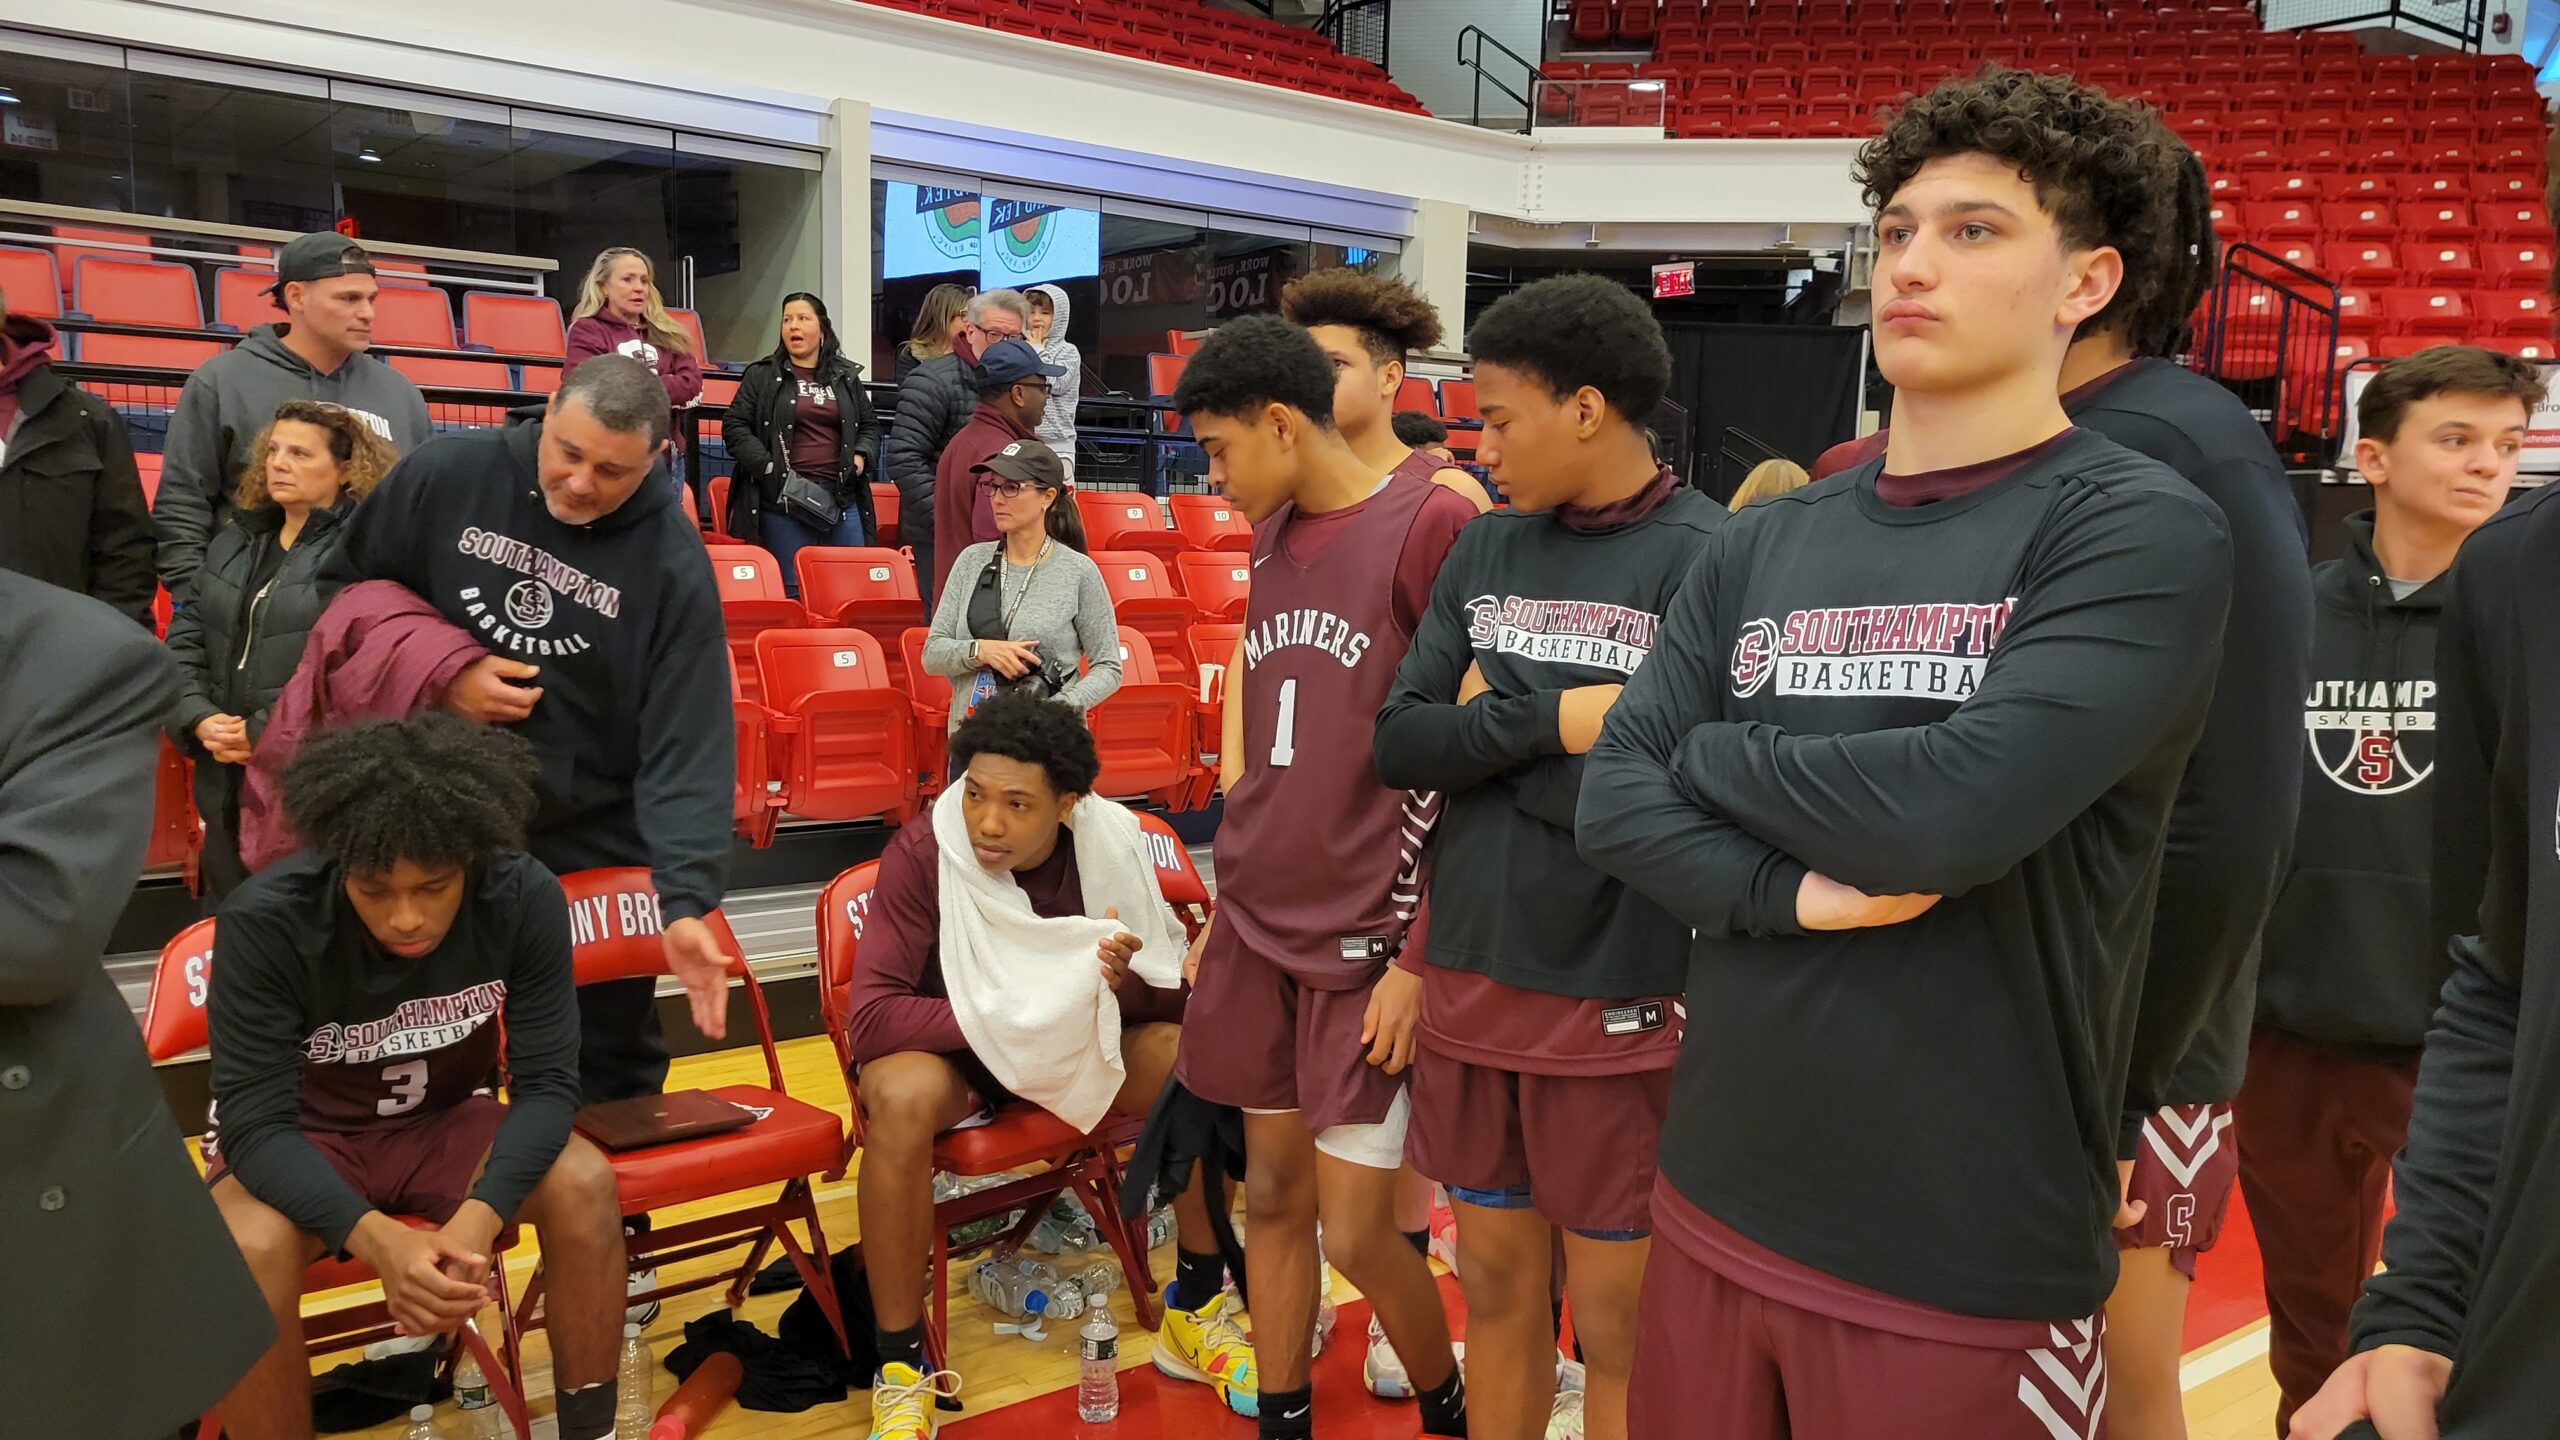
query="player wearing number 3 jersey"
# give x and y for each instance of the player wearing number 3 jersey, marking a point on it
(1308, 979)
(358, 996)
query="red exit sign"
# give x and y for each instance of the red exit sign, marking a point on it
(1671, 282)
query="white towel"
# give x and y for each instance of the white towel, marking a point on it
(1028, 991)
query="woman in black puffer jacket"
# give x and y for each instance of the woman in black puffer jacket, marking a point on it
(240, 638)
(801, 410)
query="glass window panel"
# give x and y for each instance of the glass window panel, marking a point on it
(209, 151)
(753, 234)
(420, 178)
(578, 195)
(66, 135)
(1155, 279)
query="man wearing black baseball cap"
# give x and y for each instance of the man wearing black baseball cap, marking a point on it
(1013, 395)
(325, 286)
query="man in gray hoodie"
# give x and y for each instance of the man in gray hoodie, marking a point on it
(325, 286)
(1048, 335)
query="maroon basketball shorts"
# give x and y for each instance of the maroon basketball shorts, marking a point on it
(2183, 1170)
(1577, 1148)
(1257, 1038)
(424, 1168)
(1716, 1360)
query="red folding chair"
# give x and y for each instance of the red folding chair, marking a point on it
(1126, 520)
(1217, 582)
(842, 735)
(930, 694)
(1146, 600)
(1210, 522)
(1143, 731)
(751, 602)
(615, 935)
(173, 1027)
(868, 588)
(1021, 1135)
(1213, 647)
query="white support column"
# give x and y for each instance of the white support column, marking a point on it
(1435, 262)
(845, 186)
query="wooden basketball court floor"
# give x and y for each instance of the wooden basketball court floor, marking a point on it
(1022, 1390)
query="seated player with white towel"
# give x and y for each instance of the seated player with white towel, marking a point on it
(359, 993)
(978, 983)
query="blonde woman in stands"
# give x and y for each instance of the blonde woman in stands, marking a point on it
(938, 322)
(1768, 478)
(619, 313)
(238, 640)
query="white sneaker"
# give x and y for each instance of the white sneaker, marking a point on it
(1564, 1422)
(1569, 1375)
(641, 1282)
(1381, 1370)
(1324, 1310)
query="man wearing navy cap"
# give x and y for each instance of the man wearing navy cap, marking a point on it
(1013, 395)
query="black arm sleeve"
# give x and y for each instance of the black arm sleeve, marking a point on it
(1426, 740)
(191, 482)
(688, 755)
(866, 429)
(915, 440)
(1548, 788)
(254, 1016)
(123, 547)
(375, 544)
(195, 681)
(740, 424)
(1632, 822)
(2445, 1175)
(542, 1054)
(2117, 634)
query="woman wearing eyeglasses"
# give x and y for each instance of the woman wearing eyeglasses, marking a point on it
(1027, 609)
(239, 637)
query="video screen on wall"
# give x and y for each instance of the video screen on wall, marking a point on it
(926, 230)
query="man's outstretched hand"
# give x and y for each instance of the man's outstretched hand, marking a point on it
(694, 956)
(1823, 903)
(2397, 1387)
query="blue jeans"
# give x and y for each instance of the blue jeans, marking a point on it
(787, 537)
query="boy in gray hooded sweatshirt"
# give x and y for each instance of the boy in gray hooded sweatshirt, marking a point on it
(1048, 335)
(325, 286)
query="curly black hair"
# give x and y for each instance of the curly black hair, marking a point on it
(1020, 725)
(1392, 317)
(1255, 361)
(434, 790)
(2102, 168)
(1416, 429)
(1577, 330)
(2163, 325)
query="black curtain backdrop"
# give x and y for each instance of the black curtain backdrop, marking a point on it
(1794, 387)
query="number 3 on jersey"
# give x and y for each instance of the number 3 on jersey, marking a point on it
(408, 1082)
(1284, 736)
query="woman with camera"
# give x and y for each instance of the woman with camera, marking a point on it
(1027, 610)
(803, 438)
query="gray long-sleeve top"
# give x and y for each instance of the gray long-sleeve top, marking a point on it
(1067, 610)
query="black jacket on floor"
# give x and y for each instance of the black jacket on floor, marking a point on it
(758, 434)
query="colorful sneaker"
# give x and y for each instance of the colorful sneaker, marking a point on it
(1205, 1347)
(1565, 1421)
(641, 1282)
(1381, 1370)
(902, 1401)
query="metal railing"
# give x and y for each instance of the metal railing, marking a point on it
(2271, 337)
(1471, 46)
(2459, 23)
(1361, 29)
(1738, 451)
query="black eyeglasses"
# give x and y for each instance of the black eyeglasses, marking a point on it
(1009, 489)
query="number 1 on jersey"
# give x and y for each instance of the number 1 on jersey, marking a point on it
(1283, 739)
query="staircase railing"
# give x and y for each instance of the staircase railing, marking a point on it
(2271, 337)
(1471, 47)
(1738, 451)
(1361, 29)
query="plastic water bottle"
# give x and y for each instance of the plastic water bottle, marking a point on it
(481, 1417)
(634, 1407)
(1098, 1280)
(1098, 1381)
(422, 1424)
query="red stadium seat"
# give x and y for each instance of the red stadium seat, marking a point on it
(2515, 220)
(514, 325)
(139, 292)
(177, 835)
(2436, 310)
(1589, 22)
(2521, 313)
(1213, 646)
(1145, 598)
(173, 1028)
(1126, 520)
(2304, 253)
(435, 371)
(752, 601)
(2440, 264)
(28, 278)
(2361, 262)
(1209, 522)
(2283, 220)
(1416, 394)
(692, 323)
(2439, 220)
(930, 695)
(2360, 220)
(240, 298)
(615, 935)
(2517, 266)
(412, 315)
(843, 735)
(2359, 313)
(1057, 1158)
(1217, 581)
(867, 588)
(1143, 730)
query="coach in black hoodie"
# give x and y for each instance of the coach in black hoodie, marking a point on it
(2351, 967)
(558, 541)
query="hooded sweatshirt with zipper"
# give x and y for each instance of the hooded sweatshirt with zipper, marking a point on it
(1057, 428)
(71, 506)
(633, 731)
(226, 402)
(758, 432)
(2348, 959)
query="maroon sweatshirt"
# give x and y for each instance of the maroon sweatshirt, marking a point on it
(601, 334)
(25, 343)
(962, 515)
(898, 1001)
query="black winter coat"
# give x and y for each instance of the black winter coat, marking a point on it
(758, 434)
(933, 404)
(206, 634)
(71, 508)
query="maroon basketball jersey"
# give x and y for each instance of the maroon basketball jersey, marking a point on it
(1319, 864)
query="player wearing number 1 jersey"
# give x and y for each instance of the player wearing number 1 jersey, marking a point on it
(1307, 983)
(356, 1004)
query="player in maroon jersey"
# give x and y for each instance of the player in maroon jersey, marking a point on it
(1367, 326)
(358, 995)
(1307, 981)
